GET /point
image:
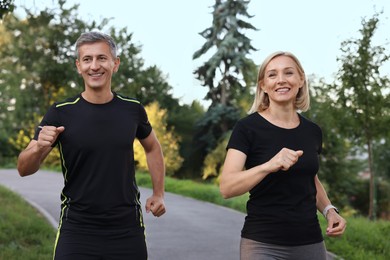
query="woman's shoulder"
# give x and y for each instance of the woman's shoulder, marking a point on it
(309, 123)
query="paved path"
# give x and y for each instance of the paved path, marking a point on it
(190, 230)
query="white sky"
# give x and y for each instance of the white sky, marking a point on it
(168, 31)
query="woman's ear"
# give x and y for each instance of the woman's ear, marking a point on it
(261, 86)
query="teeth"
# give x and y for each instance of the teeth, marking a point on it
(282, 89)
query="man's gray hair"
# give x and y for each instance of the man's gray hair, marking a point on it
(92, 37)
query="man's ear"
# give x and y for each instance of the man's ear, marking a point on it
(117, 63)
(78, 66)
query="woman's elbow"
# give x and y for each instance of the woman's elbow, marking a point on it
(225, 191)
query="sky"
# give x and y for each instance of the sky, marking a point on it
(168, 32)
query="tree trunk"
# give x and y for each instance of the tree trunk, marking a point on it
(372, 205)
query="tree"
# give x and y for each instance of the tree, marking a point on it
(168, 139)
(37, 67)
(226, 73)
(6, 6)
(362, 94)
(338, 164)
(223, 72)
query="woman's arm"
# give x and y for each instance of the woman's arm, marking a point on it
(235, 181)
(336, 224)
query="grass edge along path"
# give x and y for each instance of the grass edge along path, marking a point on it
(24, 232)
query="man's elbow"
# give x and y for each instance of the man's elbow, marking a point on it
(23, 171)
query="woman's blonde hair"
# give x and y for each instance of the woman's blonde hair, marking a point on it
(261, 101)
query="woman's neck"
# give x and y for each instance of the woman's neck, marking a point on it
(282, 117)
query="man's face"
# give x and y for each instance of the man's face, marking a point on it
(96, 65)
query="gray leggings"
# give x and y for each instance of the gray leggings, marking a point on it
(253, 250)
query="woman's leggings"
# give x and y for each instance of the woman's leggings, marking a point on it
(253, 250)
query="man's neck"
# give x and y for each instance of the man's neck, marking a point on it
(97, 97)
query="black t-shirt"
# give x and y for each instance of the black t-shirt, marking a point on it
(281, 208)
(97, 159)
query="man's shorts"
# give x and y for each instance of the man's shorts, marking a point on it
(87, 244)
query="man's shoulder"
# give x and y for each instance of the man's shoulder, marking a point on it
(68, 101)
(130, 100)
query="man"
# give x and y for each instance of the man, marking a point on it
(101, 215)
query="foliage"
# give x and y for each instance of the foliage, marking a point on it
(23, 138)
(362, 240)
(6, 6)
(214, 160)
(183, 119)
(29, 88)
(381, 150)
(230, 59)
(338, 163)
(228, 74)
(363, 94)
(215, 123)
(25, 234)
(168, 139)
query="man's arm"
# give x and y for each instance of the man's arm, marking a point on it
(35, 153)
(155, 161)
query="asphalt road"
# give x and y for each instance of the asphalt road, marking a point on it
(190, 230)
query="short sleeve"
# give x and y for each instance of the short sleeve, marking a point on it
(144, 127)
(50, 118)
(240, 138)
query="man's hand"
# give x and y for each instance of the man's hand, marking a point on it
(155, 204)
(48, 135)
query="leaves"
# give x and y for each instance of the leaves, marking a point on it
(222, 73)
(168, 139)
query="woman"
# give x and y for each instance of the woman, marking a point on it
(273, 154)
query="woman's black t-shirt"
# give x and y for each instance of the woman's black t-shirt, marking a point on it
(281, 208)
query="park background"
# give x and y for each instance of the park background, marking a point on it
(196, 75)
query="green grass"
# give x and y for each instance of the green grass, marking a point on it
(363, 239)
(24, 233)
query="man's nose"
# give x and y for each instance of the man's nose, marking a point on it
(95, 64)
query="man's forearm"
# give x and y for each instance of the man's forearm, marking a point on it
(156, 167)
(30, 159)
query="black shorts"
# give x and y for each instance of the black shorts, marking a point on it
(87, 244)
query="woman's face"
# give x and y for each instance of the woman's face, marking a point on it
(282, 80)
